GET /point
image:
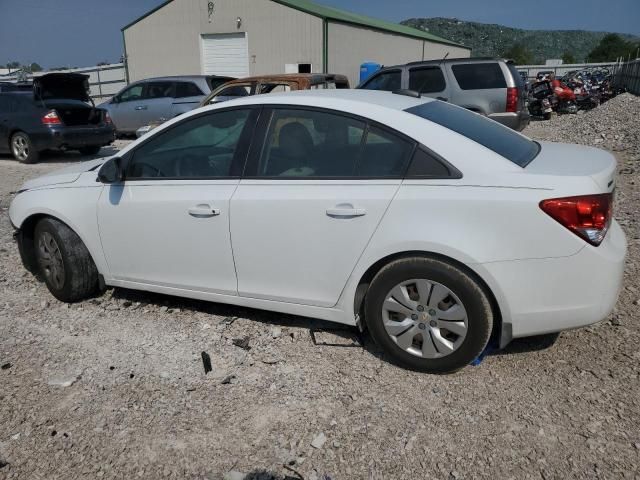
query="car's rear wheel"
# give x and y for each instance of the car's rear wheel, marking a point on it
(22, 148)
(428, 315)
(64, 261)
(93, 150)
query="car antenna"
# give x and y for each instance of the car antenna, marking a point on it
(443, 58)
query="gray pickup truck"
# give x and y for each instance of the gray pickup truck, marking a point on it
(489, 86)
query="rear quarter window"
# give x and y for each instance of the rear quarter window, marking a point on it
(502, 140)
(479, 76)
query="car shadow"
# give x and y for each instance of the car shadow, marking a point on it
(344, 336)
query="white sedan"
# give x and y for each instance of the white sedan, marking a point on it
(432, 226)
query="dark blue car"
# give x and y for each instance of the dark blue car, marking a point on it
(55, 113)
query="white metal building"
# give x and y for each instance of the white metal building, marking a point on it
(254, 37)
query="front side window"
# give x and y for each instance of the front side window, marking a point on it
(317, 144)
(488, 133)
(427, 80)
(479, 76)
(386, 81)
(131, 94)
(203, 147)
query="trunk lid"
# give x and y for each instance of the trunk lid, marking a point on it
(70, 86)
(566, 160)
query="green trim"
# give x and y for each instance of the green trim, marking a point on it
(145, 15)
(342, 16)
(325, 46)
(126, 58)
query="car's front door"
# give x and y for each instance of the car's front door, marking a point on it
(314, 191)
(167, 224)
(122, 108)
(157, 102)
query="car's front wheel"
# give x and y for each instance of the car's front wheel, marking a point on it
(428, 315)
(64, 261)
(22, 148)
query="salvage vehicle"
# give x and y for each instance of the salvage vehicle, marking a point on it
(244, 87)
(433, 227)
(159, 99)
(54, 112)
(489, 86)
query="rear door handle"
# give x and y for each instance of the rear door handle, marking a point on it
(203, 211)
(346, 211)
(141, 107)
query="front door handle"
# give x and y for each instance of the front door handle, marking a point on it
(141, 107)
(203, 211)
(346, 210)
(444, 99)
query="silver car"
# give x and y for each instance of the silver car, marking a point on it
(159, 99)
(489, 86)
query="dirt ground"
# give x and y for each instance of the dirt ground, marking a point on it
(114, 388)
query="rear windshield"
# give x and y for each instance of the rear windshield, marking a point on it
(479, 76)
(498, 138)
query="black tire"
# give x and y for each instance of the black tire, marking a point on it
(93, 150)
(470, 293)
(22, 148)
(79, 278)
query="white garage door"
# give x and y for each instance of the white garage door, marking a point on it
(225, 54)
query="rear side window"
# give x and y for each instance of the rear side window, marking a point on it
(386, 81)
(479, 76)
(158, 90)
(426, 165)
(427, 80)
(502, 140)
(316, 144)
(187, 89)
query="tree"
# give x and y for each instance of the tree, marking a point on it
(519, 54)
(567, 57)
(610, 48)
(34, 67)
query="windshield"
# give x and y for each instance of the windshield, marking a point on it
(488, 133)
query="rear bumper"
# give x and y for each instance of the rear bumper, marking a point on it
(516, 121)
(554, 294)
(73, 137)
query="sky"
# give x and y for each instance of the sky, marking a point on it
(84, 32)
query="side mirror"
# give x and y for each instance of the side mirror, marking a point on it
(115, 99)
(111, 171)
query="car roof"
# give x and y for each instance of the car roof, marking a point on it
(311, 77)
(449, 61)
(382, 99)
(181, 77)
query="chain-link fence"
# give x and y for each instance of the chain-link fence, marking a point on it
(628, 76)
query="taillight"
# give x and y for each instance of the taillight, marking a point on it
(51, 118)
(512, 99)
(107, 118)
(587, 216)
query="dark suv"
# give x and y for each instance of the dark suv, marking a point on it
(52, 112)
(489, 86)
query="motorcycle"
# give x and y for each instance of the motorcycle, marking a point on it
(540, 94)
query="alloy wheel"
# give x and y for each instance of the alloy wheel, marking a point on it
(20, 147)
(425, 318)
(51, 260)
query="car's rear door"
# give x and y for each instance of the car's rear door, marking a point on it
(186, 97)
(430, 81)
(167, 224)
(5, 112)
(315, 188)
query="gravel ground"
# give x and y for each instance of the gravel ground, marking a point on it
(114, 387)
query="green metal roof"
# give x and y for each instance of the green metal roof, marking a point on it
(329, 13)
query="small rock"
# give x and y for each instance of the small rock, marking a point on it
(637, 302)
(271, 360)
(242, 343)
(6, 366)
(164, 308)
(233, 475)
(44, 304)
(63, 382)
(228, 379)
(276, 332)
(637, 445)
(127, 304)
(336, 444)
(319, 441)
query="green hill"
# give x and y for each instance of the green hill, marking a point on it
(492, 40)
